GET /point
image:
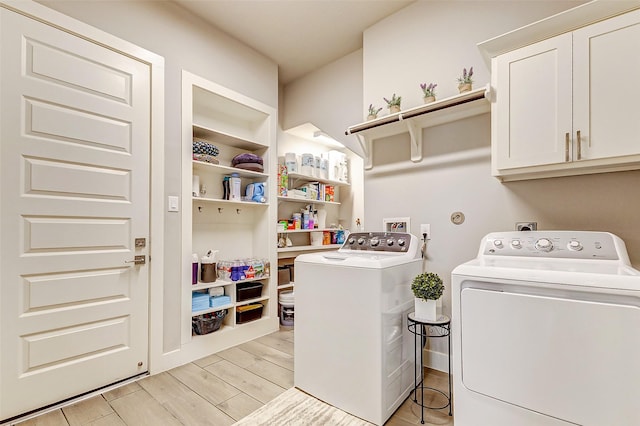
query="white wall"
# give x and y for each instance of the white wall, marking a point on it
(185, 42)
(329, 98)
(455, 172)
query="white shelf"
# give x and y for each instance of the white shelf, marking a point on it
(306, 200)
(217, 308)
(218, 168)
(220, 283)
(236, 124)
(317, 179)
(413, 120)
(286, 286)
(210, 135)
(250, 301)
(228, 202)
(309, 248)
(295, 231)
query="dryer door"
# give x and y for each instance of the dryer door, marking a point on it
(566, 354)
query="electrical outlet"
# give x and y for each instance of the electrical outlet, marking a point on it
(526, 226)
(425, 228)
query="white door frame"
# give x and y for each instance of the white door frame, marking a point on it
(156, 203)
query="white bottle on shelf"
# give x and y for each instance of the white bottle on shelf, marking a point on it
(235, 184)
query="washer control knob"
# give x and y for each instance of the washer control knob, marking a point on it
(498, 243)
(361, 241)
(374, 242)
(544, 244)
(574, 245)
(390, 242)
(516, 244)
(401, 242)
(352, 241)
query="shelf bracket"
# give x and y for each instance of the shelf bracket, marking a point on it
(365, 144)
(416, 140)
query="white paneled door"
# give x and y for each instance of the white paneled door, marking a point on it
(74, 176)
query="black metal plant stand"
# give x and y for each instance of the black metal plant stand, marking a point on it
(423, 329)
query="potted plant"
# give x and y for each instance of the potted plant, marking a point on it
(427, 287)
(373, 112)
(393, 103)
(429, 92)
(465, 81)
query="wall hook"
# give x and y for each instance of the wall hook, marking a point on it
(200, 209)
(237, 211)
(219, 209)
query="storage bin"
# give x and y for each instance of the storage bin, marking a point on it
(248, 313)
(286, 300)
(246, 291)
(284, 275)
(208, 323)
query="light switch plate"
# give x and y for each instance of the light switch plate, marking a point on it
(174, 203)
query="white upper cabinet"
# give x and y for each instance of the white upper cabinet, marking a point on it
(606, 95)
(568, 105)
(532, 112)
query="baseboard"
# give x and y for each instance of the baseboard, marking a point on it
(435, 360)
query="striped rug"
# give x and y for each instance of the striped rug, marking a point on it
(296, 408)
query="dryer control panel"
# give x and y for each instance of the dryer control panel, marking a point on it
(554, 244)
(392, 242)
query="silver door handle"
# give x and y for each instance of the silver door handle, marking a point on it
(138, 260)
(579, 145)
(566, 147)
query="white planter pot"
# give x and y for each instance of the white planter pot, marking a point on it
(425, 310)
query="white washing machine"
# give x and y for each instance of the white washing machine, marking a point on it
(352, 346)
(545, 331)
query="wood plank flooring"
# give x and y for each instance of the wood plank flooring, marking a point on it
(216, 390)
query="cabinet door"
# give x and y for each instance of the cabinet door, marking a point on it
(606, 92)
(532, 112)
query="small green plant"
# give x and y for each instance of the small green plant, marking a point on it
(427, 286)
(373, 110)
(394, 101)
(466, 76)
(428, 90)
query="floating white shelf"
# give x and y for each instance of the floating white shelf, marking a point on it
(413, 120)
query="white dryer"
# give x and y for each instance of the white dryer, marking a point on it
(352, 346)
(545, 331)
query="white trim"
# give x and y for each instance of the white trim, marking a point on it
(560, 23)
(435, 360)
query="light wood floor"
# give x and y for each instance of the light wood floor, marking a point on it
(217, 390)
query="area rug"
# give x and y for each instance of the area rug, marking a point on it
(294, 407)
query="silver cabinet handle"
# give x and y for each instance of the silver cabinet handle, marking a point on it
(566, 147)
(579, 145)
